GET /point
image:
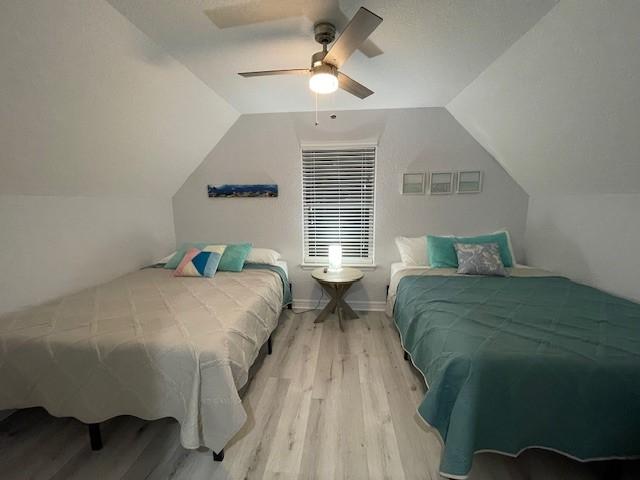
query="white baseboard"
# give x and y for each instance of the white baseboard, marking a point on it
(362, 305)
(5, 413)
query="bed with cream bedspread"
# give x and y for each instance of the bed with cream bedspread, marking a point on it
(147, 344)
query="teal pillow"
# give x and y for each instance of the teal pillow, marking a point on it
(234, 257)
(182, 251)
(442, 252)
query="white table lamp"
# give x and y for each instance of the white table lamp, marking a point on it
(335, 258)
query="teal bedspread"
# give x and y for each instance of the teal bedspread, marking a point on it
(516, 362)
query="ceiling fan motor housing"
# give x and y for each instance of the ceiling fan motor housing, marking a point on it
(317, 59)
(325, 33)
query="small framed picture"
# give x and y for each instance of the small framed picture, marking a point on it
(441, 183)
(469, 182)
(413, 183)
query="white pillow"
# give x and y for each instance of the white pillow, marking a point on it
(167, 258)
(413, 250)
(513, 255)
(263, 255)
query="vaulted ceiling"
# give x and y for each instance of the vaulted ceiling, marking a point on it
(560, 110)
(431, 49)
(86, 110)
(129, 96)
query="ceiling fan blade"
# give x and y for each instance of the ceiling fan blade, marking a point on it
(264, 73)
(348, 84)
(340, 20)
(248, 13)
(363, 23)
(370, 49)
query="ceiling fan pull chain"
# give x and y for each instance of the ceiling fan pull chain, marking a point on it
(316, 108)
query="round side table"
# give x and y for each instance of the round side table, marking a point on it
(336, 284)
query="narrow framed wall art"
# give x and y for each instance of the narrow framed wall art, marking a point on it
(239, 191)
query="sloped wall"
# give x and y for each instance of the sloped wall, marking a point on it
(591, 238)
(266, 148)
(51, 246)
(99, 129)
(560, 110)
(91, 106)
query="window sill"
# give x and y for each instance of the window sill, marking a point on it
(313, 266)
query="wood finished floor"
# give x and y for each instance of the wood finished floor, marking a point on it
(325, 405)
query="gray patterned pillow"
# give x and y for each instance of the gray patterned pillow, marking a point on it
(480, 259)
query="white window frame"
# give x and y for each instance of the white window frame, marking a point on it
(369, 262)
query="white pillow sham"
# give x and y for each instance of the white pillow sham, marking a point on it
(167, 258)
(413, 250)
(263, 255)
(513, 254)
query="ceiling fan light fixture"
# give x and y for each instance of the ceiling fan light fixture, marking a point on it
(324, 80)
(325, 77)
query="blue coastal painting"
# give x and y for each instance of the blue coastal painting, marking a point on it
(230, 190)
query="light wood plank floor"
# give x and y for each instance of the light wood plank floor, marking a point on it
(325, 405)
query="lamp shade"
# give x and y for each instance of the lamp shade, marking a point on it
(335, 258)
(324, 79)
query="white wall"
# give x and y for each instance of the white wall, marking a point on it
(560, 110)
(50, 246)
(100, 126)
(591, 238)
(89, 105)
(266, 148)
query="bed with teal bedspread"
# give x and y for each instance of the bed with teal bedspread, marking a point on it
(513, 363)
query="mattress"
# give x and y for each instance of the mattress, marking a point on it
(147, 344)
(521, 362)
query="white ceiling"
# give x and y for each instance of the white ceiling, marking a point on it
(92, 105)
(432, 48)
(84, 111)
(560, 110)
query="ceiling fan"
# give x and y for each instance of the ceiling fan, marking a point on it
(325, 64)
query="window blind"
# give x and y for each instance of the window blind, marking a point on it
(338, 190)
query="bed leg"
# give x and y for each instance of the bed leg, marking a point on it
(95, 436)
(406, 356)
(290, 306)
(269, 346)
(218, 457)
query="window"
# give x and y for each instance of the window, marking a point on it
(338, 199)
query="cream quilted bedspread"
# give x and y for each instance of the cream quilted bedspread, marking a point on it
(147, 344)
